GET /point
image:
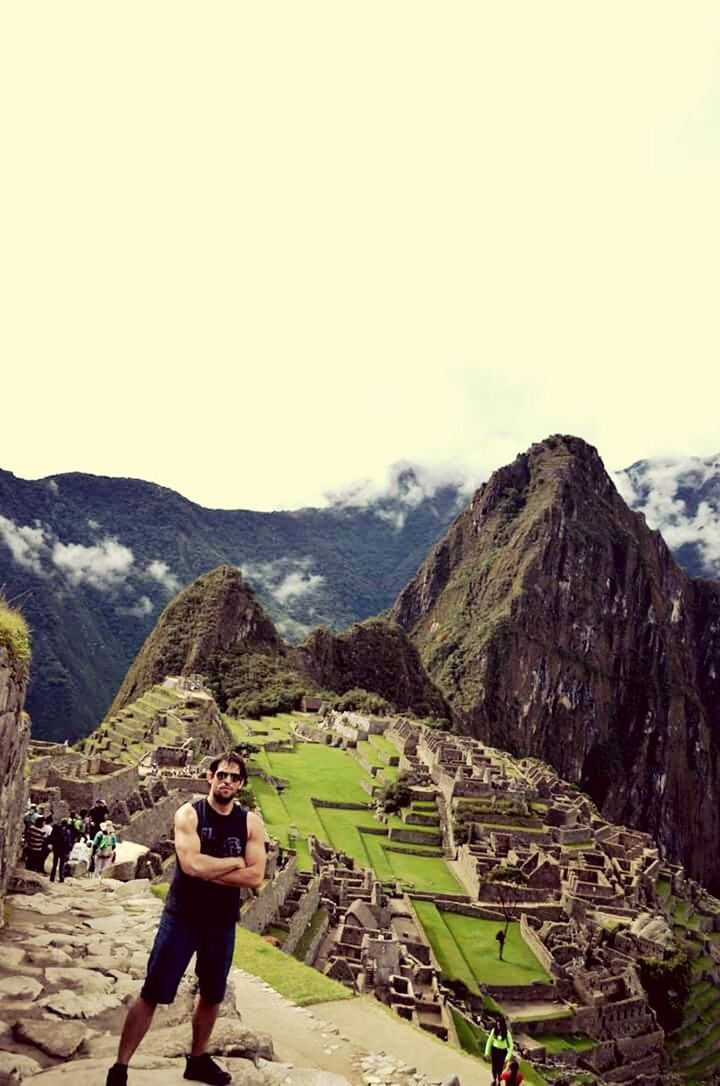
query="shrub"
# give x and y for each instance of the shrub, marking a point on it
(14, 635)
(667, 983)
(363, 701)
(395, 795)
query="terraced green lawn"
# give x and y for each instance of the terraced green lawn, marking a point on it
(323, 772)
(385, 745)
(265, 730)
(423, 873)
(565, 1042)
(298, 982)
(328, 773)
(466, 949)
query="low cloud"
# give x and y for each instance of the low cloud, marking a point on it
(143, 607)
(292, 631)
(26, 543)
(404, 483)
(104, 565)
(296, 584)
(395, 517)
(93, 524)
(160, 572)
(653, 488)
(284, 579)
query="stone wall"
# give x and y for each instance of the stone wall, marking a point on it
(309, 903)
(535, 944)
(263, 909)
(415, 837)
(78, 792)
(150, 825)
(61, 761)
(320, 934)
(14, 739)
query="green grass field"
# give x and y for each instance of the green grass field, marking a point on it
(466, 949)
(296, 981)
(267, 729)
(328, 773)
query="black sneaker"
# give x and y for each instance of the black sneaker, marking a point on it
(204, 1069)
(117, 1075)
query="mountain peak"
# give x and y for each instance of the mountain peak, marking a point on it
(557, 624)
(216, 614)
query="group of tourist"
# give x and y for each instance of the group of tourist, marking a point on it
(85, 837)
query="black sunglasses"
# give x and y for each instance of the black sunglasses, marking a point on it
(223, 775)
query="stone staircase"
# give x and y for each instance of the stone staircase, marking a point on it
(150, 721)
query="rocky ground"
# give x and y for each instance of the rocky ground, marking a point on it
(73, 954)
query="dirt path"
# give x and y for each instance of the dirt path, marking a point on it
(361, 1025)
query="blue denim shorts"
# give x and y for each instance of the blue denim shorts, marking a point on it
(175, 943)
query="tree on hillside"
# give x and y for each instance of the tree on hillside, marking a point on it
(395, 795)
(508, 881)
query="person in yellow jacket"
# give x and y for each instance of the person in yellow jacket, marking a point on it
(498, 1047)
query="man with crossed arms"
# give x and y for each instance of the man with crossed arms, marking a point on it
(220, 848)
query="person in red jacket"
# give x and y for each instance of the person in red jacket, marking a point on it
(513, 1075)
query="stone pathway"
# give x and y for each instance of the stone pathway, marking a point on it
(73, 955)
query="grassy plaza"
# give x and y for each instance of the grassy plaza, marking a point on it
(466, 949)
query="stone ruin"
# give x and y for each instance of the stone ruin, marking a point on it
(588, 906)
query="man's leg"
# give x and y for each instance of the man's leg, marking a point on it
(214, 958)
(173, 947)
(137, 1023)
(203, 1019)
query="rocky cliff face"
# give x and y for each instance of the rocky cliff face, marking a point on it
(375, 655)
(558, 625)
(14, 738)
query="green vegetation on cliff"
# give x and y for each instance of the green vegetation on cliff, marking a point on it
(15, 635)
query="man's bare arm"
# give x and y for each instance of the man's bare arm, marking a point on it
(253, 872)
(187, 847)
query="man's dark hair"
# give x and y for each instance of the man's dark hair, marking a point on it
(233, 758)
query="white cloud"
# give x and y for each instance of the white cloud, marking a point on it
(396, 517)
(283, 578)
(291, 630)
(26, 544)
(653, 489)
(296, 584)
(52, 486)
(103, 566)
(403, 484)
(93, 524)
(160, 572)
(144, 606)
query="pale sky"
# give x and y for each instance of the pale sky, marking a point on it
(254, 252)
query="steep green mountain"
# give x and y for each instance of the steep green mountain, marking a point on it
(373, 655)
(92, 562)
(558, 625)
(217, 628)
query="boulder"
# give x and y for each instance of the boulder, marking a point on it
(20, 988)
(59, 1039)
(14, 1067)
(70, 1004)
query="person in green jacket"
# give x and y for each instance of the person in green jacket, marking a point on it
(498, 1047)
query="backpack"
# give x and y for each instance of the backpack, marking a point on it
(105, 846)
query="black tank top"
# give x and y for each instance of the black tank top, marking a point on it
(199, 900)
